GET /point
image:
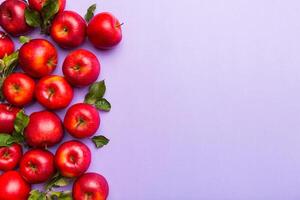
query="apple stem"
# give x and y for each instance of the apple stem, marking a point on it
(119, 25)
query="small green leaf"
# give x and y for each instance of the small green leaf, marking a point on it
(67, 195)
(57, 181)
(21, 122)
(100, 141)
(103, 104)
(37, 195)
(4, 138)
(49, 10)
(33, 18)
(90, 13)
(24, 39)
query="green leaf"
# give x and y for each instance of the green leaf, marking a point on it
(4, 138)
(21, 122)
(37, 195)
(98, 89)
(57, 181)
(8, 63)
(90, 12)
(100, 141)
(33, 18)
(103, 104)
(49, 10)
(67, 195)
(24, 39)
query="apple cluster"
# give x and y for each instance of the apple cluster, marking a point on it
(24, 140)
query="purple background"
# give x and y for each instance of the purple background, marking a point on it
(205, 97)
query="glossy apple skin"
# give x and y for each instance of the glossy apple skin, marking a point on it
(90, 186)
(10, 157)
(44, 129)
(38, 58)
(12, 17)
(54, 92)
(38, 4)
(68, 29)
(37, 166)
(13, 186)
(72, 158)
(81, 68)
(82, 120)
(18, 89)
(8, 115)
(104, 31)
(7, 46)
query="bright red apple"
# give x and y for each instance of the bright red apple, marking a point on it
(6, 45)
(12, 17)
(90, 186)
(81, 68)
(8, 115)
(104, 31)
(44, 129)
(72, 158)
(38, 58)
(10, 157)
(54, 92)
(37, 166)
(13, 186)
(68, 29)
(38, 4)
(82, 120)
(18, 89)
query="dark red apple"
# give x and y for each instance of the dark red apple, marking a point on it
(90, 186)
(12, 17)
(6, 45)
(68, 29)
(13, 186)
(18, 89)
(82, 120)
(54, 92)
(72, 158)
(10, 157)
(81, 68)
(44, 129)
(38, 4)
(37, 166)
(8, 115)
(38, 58)
(104, 31)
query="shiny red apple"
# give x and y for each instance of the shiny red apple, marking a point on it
(44, 129)
(38, 4)
(37, 166)
(54, 92)
(8, 115)
(6, 45)
(104, 31)
(81, 68)
(68, 29)
(38, 58)
(10, 157)
(72, 158)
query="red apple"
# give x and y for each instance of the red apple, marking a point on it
(104, 31)
(7, 46)
(68, 29)
(44, 129)
(13, 186)
(38, 4)
(38, 58)
(37, 166)
(12, 17)
(81, 68)
(72, 158)
(82, 120)
(90, 186)
(8, 115)
(10, 157)
(54, 92)
(18, 89)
